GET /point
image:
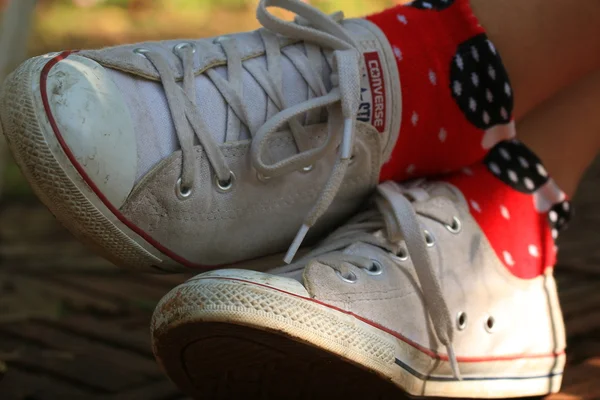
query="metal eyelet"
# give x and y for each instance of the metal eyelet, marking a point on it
(262, 178)
(140, 51)
(182, 192)
(461, 321)
(456, 226)
(429, 239)
(375, 269)
(402, 255)
(184, 45)
(226, 186)
(350, 277)
(308, 168)
(490, 324)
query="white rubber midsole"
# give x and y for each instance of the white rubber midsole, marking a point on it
(265, 308)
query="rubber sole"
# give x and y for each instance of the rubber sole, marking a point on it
(219, 337)
(56, 181)
(225, 361)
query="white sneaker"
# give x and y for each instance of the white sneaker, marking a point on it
(208, 152)
(409, 290)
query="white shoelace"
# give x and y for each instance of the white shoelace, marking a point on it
(393, 215)
(317, 30)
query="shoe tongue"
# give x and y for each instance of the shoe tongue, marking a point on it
(156, 133)
(260, 108)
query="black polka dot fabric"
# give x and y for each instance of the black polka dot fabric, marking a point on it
(479, 83)
(517, 166)
(437, 5)
(559, 217)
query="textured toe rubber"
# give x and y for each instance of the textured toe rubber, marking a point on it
(95, 124)
(30, 133)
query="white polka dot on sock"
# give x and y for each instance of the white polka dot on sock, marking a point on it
(475, 53)
(398, 53)
(553, 216)
(507, 89)
(492, 72)
(442, 135)
(529, 183)
(492, 47)
(489, 96)
(411, 169)
(505, 154)
(554, 234)
(432, 77)
(402, 19)
(566, 206)
(495, 168)
(475, 79)
(504, 212)
(508, 258)
(467, 171)
(533, 251)
(523, 162)
(486, 118)
(472, 104)
(513, 176)
(426, 5)
(504, 113)
(475, 206)
(415, 118)
(459, 62)
(541, 170)
(457, 88)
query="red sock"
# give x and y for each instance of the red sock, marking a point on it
(456, 97)
(518, 207)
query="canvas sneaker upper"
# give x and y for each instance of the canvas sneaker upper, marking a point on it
(244, 128)
(409, 288)
(251, 86)
(417, 255)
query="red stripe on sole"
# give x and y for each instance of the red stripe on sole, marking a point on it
(429, 352)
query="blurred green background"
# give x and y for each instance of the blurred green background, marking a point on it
(63, 24)
(79, 24)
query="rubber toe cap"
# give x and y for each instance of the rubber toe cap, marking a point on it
(95, 123)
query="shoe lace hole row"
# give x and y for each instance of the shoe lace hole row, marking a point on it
(456, 225)
(461, 321)
(182, 192)
(184, 45)
(376, 268)
(348, 277)
(429, 239)
(140, 51)
(402, 255)
(490, 324)
(225, 186)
